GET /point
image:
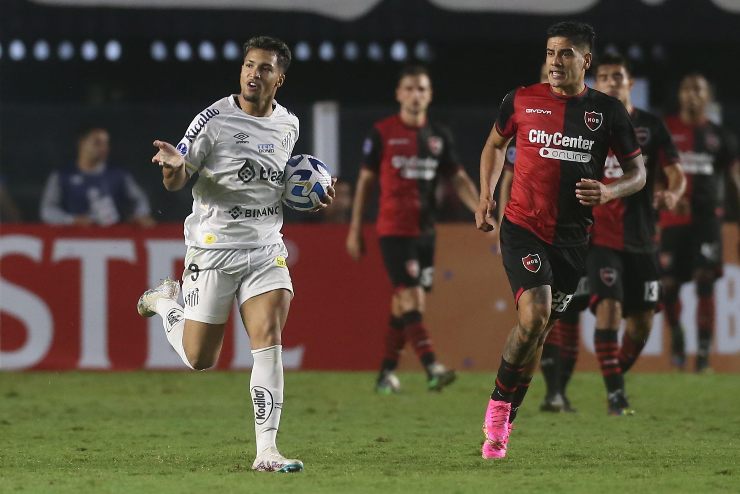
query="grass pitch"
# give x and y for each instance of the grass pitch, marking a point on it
(193, 432)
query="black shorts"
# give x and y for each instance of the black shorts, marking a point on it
(581, 297)
(686, 248)
(409, 261)
(531, 262)
(631, 278)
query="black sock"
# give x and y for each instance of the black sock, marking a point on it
(607, 351)
(516, 401)
(507, 379)
(551, 368)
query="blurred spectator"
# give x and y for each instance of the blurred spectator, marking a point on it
(341, 209)
(91, 192)
(9, 212)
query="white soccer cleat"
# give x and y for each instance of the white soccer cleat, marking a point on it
(147, 304)
(270, 460)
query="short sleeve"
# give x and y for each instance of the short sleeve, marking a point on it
(199, 139)
(372, 151)
(449, 161)
(667, 151)
(623, 141)
(505, 123)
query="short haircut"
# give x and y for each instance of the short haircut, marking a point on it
(579, 33)
(277, 46)
(610, 58)
(412, 71)
(84, 131)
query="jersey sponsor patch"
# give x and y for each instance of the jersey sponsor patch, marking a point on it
(593, 120)
(266, 148)
(280, 262)
(182, 148)
(608, 276)
(532, 262)
(263, 404)
(209, 238)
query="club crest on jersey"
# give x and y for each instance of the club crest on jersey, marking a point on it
(532, 263)
(412, 268)
(711, 140)
(435, 144)
(608, 276)
(182, 148)
(593, 120)
(643, 135)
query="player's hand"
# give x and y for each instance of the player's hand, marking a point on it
(326, 201)
(167, 156)
(82, 220)
(484, 220)
(665, 199)
(355, 244)
(590, 192)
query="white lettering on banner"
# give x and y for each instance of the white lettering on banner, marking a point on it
(25, 306)
(292, 357)
(94, 256)
(161, 258)
(727, 292)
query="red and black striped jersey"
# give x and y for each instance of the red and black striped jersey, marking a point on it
(409, 161)
(560, 140)
(628, 223)
(707, 151)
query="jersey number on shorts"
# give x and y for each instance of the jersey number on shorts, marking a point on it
(560, 301)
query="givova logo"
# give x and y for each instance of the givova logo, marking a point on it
(263, 404)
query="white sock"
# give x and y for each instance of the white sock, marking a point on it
(174, 325)
(266, 389)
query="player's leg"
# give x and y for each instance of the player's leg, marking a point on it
(264, 297)
(395, 340)
(642, 292)
(708, 263)
(606, 274)
(570, 331)
(550, 365)
(676, 264)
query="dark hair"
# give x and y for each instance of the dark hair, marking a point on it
(413, 70)
(611, 58)
(578, 32)
(84, 131)
(277, 46)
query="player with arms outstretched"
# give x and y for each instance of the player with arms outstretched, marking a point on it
(408, 153)
(238, 146)
(564, 131)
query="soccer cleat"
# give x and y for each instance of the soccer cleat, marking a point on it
(388, 384)
(147, 305)
(272, 461)
(489, 452)
(440, 377)
(567, 408)
(554, 404)
(496, 428)
(618, 405)
(678, 361)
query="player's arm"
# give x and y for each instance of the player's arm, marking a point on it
(669, 197)
(465, 189)
(355, 242)
(591, 192)
(491, 164)
(504, 191)
(174, 174)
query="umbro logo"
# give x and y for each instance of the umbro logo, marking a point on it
(241, 138)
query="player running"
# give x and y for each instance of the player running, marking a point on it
(691, 236)
(564, 131)
(232, 252)
(622, 264)
(408, 153)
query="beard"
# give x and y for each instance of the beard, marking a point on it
(252, 98)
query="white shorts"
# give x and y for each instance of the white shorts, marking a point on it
(212, 278)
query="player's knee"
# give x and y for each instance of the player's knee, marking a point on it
(670, 290)
(608, 313)
(201, 361)
(533, 320)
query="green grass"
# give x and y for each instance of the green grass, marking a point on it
(192, 432)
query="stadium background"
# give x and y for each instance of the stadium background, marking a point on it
(52, 278)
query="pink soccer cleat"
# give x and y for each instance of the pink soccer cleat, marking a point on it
(496, 428)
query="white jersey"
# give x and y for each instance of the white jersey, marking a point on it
(241, 164)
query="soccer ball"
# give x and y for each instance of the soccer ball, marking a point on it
(306, 181)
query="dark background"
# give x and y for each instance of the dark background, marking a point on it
(476, 59)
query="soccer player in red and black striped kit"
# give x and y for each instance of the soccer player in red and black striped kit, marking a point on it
(408, 153)
(564, 131)
(691, 236)
(622, 262)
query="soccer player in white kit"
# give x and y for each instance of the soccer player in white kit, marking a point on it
(238, 146)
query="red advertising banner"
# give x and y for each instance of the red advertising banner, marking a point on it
(68, 301)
